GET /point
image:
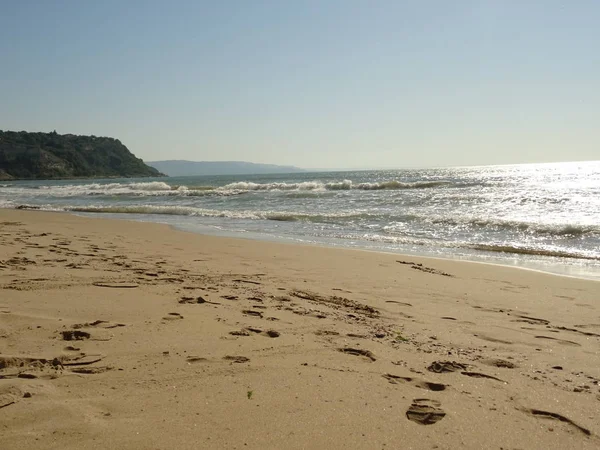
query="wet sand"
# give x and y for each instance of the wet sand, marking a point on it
(128, 335)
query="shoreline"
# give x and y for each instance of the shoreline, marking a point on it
(119, 334)
(312, 210)
(284, 241)
(296, 241)
(289, 241)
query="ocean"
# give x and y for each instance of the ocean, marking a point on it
(537, 216)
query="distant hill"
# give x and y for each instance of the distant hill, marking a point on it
(25, 155)
(180, 168)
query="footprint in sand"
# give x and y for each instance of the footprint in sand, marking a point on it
(425, 411)
(453, 366)
(70, 348)
(560, 341)
(32, 368)
(326, 333)
(358, 352)
(116, 285)
(481, 375)
(173, 316)
(446, 366)
(81, 360)
(236, 359)
(422, 268)
(530, 320)
(199, 300)
(248, 330)
(536, 329)
(9, 395)
(246, 281)
(239, 333)
(396, 379)
(496, 362)
(556, 416)
(574, 330)
(90, 370)
(492, 339)
(98, 324)
(195, 359)
(399, 303)
(341, 290)
(75, 335)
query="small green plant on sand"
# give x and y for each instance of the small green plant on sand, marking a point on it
(250, 394)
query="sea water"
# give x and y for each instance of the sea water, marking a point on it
(538, 216)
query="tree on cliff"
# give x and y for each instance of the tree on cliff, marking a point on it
(25, 155)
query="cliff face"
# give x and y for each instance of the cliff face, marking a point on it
(25, 155)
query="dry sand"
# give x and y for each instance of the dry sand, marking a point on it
(181, 341)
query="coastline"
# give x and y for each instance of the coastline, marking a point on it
(295, 346)
(454, 214)
(226, 234)
(398, 254)
(494, 259)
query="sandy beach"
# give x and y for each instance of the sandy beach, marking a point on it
(126, 335)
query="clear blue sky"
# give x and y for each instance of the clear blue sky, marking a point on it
(311, 83)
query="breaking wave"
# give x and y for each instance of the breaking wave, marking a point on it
(160, 188)
(201, 212)
(344, 185)
(391, 225)
(559, 230)
(502, 248)
(144, 189)
(79, 188)
(494, 248)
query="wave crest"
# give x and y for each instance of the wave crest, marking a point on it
(345, 185)
(504, 248)
(161, 188)
(142, 189)
(559, 230)
(201, 212)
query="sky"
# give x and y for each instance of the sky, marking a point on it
(316, 84)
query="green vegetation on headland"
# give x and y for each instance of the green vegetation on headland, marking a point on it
(25, 155)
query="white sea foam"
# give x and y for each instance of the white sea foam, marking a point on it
(344, 185)
(250, 186)
(280, 216)
(553, 229)
(149, 189)
(160, 188)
